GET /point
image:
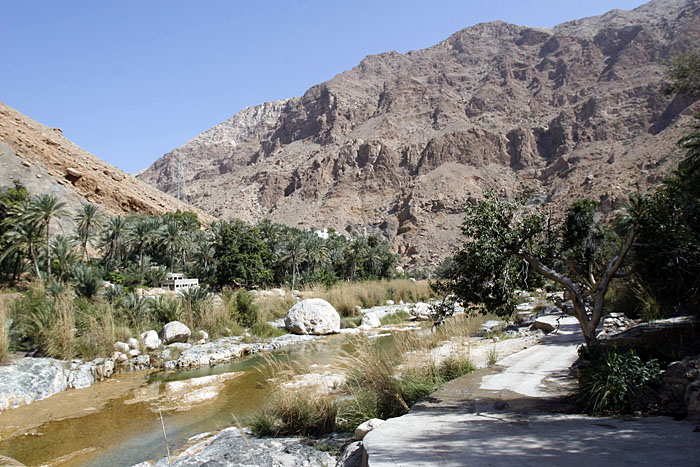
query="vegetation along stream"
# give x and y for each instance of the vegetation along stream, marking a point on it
(117, 422)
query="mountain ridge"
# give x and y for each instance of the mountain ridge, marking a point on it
(396, 145)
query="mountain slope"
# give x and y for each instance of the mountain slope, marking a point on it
(46, 162)
(395, 146)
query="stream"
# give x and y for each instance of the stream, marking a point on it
(117, 423)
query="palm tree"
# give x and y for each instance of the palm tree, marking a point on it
(171, 238)
(24, 234)
(141, 234)
(64, 254)
(293, 253)
(357, 251)
(88, 221)
(113, 238)
(45, 207)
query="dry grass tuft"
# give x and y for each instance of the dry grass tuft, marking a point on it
(4, 331)
(346, 295)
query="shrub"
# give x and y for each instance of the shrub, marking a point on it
(265, 330)
(611, 379)
(4, 331)
(246, 310)
(165, 309)
(395, 318)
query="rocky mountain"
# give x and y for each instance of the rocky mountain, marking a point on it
(43, 160)
(395, 146)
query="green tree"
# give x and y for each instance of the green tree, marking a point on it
(45, 208)
(243, 259)
(506, 243)
(112, 239)
(24, 234)
(87, 223)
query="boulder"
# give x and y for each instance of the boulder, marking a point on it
(150, 340)
(421, 311)
(312, 316)
(370, 320)
(122, 347)
(545, 323)
(364, 428)
(174, 331)
(692, 401)
(351, 456)
(133, 343)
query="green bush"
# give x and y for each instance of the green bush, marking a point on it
(611, 379)
(246, 310)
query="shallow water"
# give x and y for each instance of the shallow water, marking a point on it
(117, 422)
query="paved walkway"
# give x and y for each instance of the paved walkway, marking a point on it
(513, 414)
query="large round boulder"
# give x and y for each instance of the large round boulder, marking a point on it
(174, 331)
(312, 316)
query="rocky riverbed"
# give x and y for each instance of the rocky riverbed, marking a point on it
(31, 379)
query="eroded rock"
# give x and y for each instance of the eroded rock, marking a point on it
(312, 316)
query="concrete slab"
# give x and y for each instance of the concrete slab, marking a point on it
(511, 414)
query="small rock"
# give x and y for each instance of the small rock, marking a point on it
(204, 335)
(370, 320)
(421, 311)
(150, 340)
(133, 343)
(545, 323)
(26, 164)
(134, 353)
(122, 347)
(122, 358)
(389, 302)
(74, 173)
(358, 308)
(38, 175)
(364, 428)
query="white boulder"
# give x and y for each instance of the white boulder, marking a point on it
(421, 311)
(370, 320)
(150, 340)
(312, 316)
(364, 428)
(174, 331)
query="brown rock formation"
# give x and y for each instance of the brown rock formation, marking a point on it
(43, 160)
(395, 146)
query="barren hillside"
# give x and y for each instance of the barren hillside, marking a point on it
(43, 160)
(395, 146)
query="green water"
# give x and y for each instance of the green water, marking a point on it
(128, 430)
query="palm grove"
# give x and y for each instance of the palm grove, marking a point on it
(69, 271)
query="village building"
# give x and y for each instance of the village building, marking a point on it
(176, 281)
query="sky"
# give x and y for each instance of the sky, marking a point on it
(131, 80)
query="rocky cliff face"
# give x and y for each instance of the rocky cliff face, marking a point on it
(43, 160)
(395, 146)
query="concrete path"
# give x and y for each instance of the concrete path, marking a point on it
(513, 414)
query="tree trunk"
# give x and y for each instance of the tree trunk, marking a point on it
(36, 264)
(48, 251)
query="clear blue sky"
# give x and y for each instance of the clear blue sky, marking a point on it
(131, 80)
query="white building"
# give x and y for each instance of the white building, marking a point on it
(176, 281)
